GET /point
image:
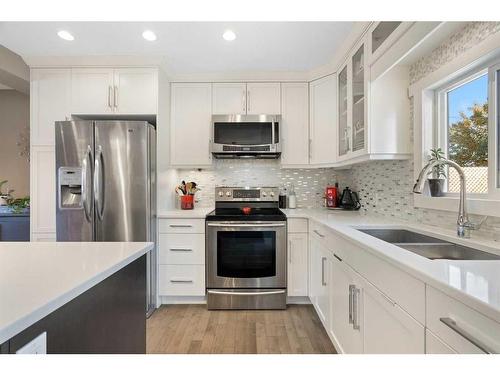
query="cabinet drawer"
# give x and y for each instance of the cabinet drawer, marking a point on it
(296, 225)
(181, 226)
(182, 280)
(321, 233)
(451, 320)
(182, 248)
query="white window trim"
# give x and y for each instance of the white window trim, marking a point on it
(423, 93)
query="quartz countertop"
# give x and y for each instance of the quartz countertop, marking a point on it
(473, 282)
(36, 278)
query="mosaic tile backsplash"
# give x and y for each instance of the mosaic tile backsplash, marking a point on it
(309, 184)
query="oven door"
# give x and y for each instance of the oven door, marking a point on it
(246, 254)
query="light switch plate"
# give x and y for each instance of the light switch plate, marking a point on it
(35, 346)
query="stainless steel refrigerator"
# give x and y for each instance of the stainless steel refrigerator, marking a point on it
(106, 185)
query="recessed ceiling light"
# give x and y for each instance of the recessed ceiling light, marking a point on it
(149, 35)
(229, 35)
(63, 34)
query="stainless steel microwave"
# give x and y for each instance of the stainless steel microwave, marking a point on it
(246, 136)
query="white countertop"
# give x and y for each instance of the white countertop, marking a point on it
(475, 283)
(196, 213)
(36, 278)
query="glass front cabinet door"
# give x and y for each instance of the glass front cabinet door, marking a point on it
(352, 110)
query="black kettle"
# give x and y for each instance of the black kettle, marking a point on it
(349, 200)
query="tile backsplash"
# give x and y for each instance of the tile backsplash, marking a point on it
(309, 183)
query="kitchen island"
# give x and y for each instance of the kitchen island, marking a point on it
(88, 297)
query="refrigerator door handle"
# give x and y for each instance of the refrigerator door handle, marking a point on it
(86, 202)
(98, 191)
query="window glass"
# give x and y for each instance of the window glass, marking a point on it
(467, 134)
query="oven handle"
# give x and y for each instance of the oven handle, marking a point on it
(246, 293)
(245, 225)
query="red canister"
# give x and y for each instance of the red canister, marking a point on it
(332, 196)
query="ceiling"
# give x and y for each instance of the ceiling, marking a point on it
(187, 47)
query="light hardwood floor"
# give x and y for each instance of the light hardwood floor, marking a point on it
(193, 329)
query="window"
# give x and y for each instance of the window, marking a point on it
(463, 131)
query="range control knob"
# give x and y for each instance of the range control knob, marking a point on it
(228, 193)
(271, 194)
(221, 194)
(264, 194)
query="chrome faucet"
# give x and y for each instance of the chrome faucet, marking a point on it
(464, 225)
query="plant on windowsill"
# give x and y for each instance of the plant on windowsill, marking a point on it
(436, 183)
(5, 196)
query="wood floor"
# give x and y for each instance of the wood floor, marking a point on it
(193, 329)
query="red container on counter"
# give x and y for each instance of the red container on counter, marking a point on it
(187, 202)
(332, 196)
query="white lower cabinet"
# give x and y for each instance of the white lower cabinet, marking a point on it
(345, 330)
(181, 257)
(297, 264)
(320, 272)
(386, 327)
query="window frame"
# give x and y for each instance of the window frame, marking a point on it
(440, 123)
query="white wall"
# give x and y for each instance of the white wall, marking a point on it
(14, 120)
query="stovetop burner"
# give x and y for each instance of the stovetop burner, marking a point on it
(246, 204)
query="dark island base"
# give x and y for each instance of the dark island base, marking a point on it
(109, 318)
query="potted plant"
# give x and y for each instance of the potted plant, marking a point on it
(436, 183)
(4, 196)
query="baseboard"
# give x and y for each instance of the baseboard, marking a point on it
(296, 300)
(183, 300)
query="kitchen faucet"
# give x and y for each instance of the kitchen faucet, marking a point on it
(463, 224)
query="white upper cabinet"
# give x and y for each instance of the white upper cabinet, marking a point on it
(191, 110)
(50, 102)
(295, 124)
(246, 98)
(263, 98)
(229, 98)
(135, 91)
(92, 91)
(118, 91)
(323, 120)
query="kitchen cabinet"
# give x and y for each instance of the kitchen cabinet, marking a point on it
(352, 114)
(320, 272)
(182, 257)
(382, 36)
(92, 91)
(346, 330)
(323, 120)
(246, 98)
(114, 91)
(297, 264)
(263, 98)
(191, 111)
(433, 345)
(387, 328)
(294, 124)
(229, 98)
(50, 93)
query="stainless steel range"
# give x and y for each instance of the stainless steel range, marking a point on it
(246, 250)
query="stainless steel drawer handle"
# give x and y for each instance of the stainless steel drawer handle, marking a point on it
(181, 226)
(181, 281)
(323, 260)
(477, 343)
(246, 293)
(355, 309)
(318, 233)
(351, 288)
(249, 225)
(180, 249)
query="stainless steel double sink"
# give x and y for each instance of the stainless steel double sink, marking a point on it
(427, 246)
